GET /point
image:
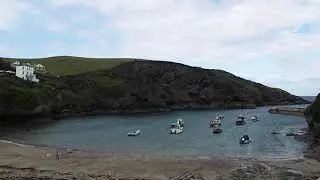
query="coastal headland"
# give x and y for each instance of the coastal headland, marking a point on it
(103, 86)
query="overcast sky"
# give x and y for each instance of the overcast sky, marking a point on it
(274, 42)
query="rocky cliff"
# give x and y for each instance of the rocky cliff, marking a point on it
(137, 86)
(313, 116)
(313, 119)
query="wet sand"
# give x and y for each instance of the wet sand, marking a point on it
(19, 161)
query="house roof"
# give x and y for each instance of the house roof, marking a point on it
(17, 62)
(27, 64)
(39, 65)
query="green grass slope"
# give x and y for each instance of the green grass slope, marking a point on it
(69, 65)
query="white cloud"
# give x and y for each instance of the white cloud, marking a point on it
(10, 11)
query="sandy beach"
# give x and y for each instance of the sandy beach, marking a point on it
(18, 161)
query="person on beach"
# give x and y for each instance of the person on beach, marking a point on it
(57, 154)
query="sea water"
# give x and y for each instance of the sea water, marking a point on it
(109, 133)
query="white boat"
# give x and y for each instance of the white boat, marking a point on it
(254, 118)
(136, 133)
(176, 128)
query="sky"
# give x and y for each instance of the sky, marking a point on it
(274, 42)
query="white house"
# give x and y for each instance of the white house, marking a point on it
(26, 72)
(39, 68)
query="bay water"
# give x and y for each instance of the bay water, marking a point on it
(109, 133)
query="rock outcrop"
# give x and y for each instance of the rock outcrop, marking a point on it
(312, 114)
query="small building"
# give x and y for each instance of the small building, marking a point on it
(15, 64)
(39, 68)
(26, 72)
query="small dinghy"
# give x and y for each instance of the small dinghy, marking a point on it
(136, 133)
(240, 120)
(254, 118)
(245, 140)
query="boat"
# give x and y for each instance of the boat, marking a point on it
(136, 133)
(240, 120)
(245, 140)
(216, 130)
(254, 118)
(179, 122)
(215, 122)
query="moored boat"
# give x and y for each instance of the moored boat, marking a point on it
(215, 122)
(254, 118)
(177, 127)
(241, 120)
(135, 133)
(245, 140)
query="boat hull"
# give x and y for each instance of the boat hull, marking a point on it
(176, 131)
(217, 131)
(240, 123)
(245, 141)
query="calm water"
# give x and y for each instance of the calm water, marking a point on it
(109, 133)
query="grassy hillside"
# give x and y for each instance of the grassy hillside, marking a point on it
(116, 86)
(68, 65)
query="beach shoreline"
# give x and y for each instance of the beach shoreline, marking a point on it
(32, 161)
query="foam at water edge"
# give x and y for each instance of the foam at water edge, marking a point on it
(17, 144)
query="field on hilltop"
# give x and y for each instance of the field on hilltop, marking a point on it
(68, 65)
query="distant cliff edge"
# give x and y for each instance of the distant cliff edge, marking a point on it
(132, 86)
